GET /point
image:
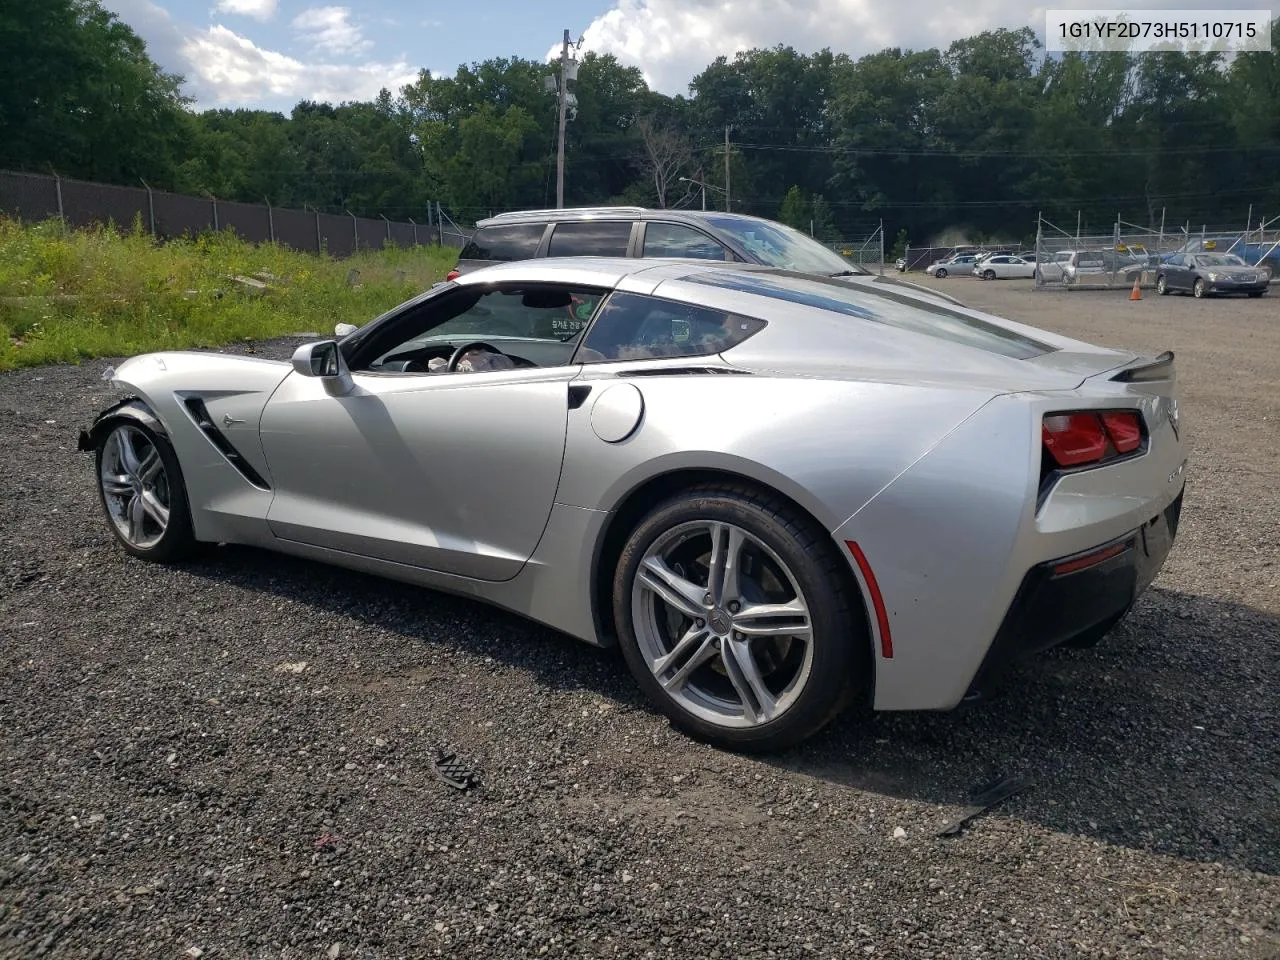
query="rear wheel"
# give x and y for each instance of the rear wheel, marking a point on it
(142, 493)
(736, 620)
(1254, 294)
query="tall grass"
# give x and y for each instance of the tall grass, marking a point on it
(66, 295)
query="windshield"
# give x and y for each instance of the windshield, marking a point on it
(1221, 260)
(777, 245)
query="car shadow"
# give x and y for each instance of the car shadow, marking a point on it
(1164, 738)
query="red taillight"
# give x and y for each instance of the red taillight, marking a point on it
(452, 275)
(1074, 438)
(1077, 439)
(1124, 429)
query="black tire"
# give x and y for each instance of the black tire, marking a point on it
(178, 541)
(1197, 290)
(1162, 286)
(941, 274)
(989, 275)
(841, 664)
(1254, 294)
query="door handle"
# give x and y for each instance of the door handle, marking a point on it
(578, 394)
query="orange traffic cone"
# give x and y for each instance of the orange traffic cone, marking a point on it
(1136, 292)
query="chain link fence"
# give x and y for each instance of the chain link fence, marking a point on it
(922, 258)
(35, 197)
(1127, 253)
(868, 251)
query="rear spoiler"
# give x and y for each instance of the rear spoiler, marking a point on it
(1161, 368)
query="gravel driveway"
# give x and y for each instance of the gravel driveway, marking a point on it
(233, 759)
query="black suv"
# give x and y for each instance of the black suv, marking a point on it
(639, 232)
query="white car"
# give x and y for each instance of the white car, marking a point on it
(957, 265)
(1005, 267)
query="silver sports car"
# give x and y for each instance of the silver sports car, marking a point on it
(777, 493)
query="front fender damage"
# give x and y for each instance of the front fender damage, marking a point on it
(130, 408)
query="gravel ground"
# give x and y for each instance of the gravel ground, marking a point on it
(232, 759)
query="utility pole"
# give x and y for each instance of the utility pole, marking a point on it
(727, 205)
(563, 105)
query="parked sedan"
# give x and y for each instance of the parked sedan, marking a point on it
(1005, 267)
(1203, 274)
(902, 498)
(959, 264)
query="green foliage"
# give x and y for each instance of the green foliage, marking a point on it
(78, 91)
(901, 243)
(794, 211)
(824, 224)
(66, 295)
(974, 138)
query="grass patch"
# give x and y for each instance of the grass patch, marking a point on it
(67, 295)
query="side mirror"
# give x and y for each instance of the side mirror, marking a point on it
(344, 329)
(325, 361)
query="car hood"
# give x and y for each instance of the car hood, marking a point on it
(197, 371)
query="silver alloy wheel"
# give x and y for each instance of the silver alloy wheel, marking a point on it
(1162, 286)
(1198, 289)
(722, 623)
(135, 486)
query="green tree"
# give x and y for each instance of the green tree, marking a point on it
(900, 244)
(80, 94)
(795, 211)
(824, 224)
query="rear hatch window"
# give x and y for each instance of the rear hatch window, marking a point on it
(864, 303)
(508, 241)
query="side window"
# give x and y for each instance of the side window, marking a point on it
(1175, 261)
(527, 326)
(677, 240)
(631, 326)
(510, 241)
(590, 238)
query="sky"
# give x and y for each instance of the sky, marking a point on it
(271, 53)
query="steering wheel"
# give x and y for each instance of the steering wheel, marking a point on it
(462, 350)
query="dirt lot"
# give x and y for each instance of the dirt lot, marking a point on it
(175, 777)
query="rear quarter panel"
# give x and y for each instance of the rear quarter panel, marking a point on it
(828, 445)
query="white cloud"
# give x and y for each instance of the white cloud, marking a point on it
(154, 25)
(331, 29)
(231, 70)
(671, 41)
(262, 10)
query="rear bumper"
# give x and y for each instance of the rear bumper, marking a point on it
(1077, 599)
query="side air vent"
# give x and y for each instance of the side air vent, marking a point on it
(200, 414)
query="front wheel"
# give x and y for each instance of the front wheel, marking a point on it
(1198, 289)
(1254, 294)
(940, 274)
(736, 619)
(1162, 286)
(142, 493)
(989, 275)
